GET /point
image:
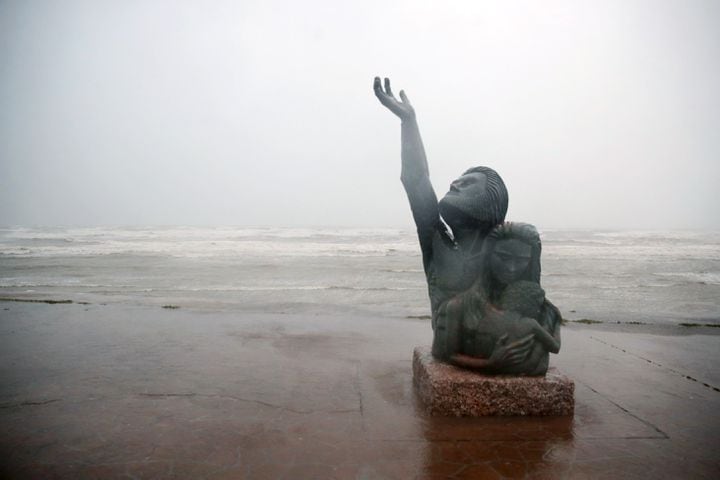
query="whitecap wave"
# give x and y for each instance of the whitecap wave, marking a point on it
(194, 242)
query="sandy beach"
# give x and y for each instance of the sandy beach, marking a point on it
(111, 391)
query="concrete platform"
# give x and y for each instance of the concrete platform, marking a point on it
(447, 390)
(132, 392)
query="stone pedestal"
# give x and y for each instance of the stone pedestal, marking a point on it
(451, 391)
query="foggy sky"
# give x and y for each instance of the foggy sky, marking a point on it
(598, 114)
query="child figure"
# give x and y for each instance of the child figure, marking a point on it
(522, 304)
(517, 315)
(503, 324)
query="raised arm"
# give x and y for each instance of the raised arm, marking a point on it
(414, 175)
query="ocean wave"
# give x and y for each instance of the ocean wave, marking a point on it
(402, 270)
(194, 233)
(207, 245)
(238, 288)
(280, 288)
(707, 278)
(153, 284)
(630, 238)
(199, 242)
(651, 285)
(181, 251)
(632, 253)
(9, 283)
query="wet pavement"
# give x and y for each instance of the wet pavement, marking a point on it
(136, 392)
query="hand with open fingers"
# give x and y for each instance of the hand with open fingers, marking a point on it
(401, 108)
(511, 354)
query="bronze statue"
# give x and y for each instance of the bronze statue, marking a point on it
(506, 302)
(480, 319)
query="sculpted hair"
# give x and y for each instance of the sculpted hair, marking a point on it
(495, 201)
(523, 232)
(524, 297)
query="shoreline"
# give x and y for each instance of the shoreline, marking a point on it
(684, 327)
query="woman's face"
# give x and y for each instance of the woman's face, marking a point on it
(510, 260)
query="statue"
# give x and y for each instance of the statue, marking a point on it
(506, 302)
(489, 312)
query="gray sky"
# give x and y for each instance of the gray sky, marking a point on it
(599, 114)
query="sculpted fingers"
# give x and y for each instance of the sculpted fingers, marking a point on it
(403, 110)
(387, 100)
(519, 354)
(525, 342)
(518, 350)
(404, 97)
(388, 90)
(377, 86)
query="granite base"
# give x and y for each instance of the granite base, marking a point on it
(450, 391)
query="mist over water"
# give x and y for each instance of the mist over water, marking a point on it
(654, 277)
(597, 114)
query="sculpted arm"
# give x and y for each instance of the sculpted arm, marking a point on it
(550, 342)
(414, 175)
(503, 355)
(554, 320)
(549, 337)
(448, 330)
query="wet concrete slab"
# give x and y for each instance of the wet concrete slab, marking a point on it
(134, 392)
(670, 351)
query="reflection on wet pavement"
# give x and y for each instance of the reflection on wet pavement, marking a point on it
(129, 392)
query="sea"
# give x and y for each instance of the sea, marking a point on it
(659, 277)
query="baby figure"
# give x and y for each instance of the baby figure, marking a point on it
(517, 315)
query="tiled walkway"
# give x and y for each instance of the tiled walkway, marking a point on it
(132, 392)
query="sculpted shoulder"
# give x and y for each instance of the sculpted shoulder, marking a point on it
(454, 269)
